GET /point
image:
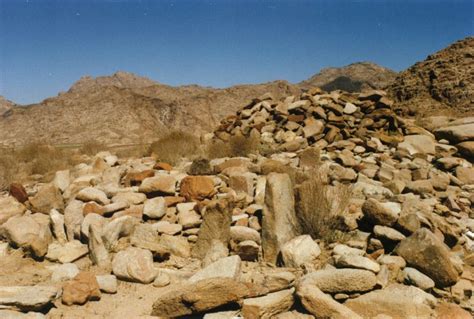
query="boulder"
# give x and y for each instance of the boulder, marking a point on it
(341, 280)
(27, 298)
(10, 207)
(425, 252)
(396, 301)
(228, 267)
(414, 144)
(322, 305)
(155, 208)
(117, 228)
(161, 184)
(97, 251)
(197, 188)
(248, 250)
(134, 264)
(217, 217)
(81, 289)
(299, 251)
(411, 276)
(190, 298)
(456, 134)
(268, 306)
(48, 197)
(57, 223)
(355, 261)
(385, 214)
(279, 222)
(242, 233)
(465, 174)
(175, 245)
(62, 180)
(73, 219)
(466, 149)
(91, 194)
(28, 232)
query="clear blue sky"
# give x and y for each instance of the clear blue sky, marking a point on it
(46, 45)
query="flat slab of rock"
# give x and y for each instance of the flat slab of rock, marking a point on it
(359, 262)
(68, 252)
(228, 267)
(425, 252)
(396, 301)
(341, 280)
(190, 298)
(268, 306)
(456, 134)
(322, 305)
(27, 297)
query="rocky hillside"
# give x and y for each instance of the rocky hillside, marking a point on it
(353, 212)
(354, 77)
(124, 109)
(444, 82)
(5, 106)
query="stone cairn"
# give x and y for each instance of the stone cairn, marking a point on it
(222, 238)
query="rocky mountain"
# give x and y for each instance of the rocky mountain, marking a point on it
(354, 77)
(125, 108)
(5, 106)
(444, 82)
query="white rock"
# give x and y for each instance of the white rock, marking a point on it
(64, 272)
(66, 253)
(299, 251)
(91, 194)
(359, 262)
(27, 297)
(62, 180)
(155, 208)
(107, 283)
(134, 264)
(57, 221)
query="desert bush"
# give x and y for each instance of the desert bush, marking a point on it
(175, 146)
(321, 208)
(92, 147)
(238, 145)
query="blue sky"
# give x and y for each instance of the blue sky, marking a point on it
(46, 45)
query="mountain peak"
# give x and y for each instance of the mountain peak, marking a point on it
(119, 79)
(353, 77)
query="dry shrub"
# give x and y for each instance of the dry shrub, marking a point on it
(92, 147)
(238, 145)
(34, 158)
(175, 146)
(321, 208)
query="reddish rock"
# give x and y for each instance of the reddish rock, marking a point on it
(451, 311)
(93, 208)
(171, 201)
(81, 289)
(163, 166)
(197, 187)
(18, 191)
(136, 178)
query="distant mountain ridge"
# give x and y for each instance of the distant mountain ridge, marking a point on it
(5, 106)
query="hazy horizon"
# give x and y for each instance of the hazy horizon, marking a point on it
(45, 46)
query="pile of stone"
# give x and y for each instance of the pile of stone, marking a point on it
(223, 237)
(315, 118)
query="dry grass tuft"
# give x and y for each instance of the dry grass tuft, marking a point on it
(92, 147)
(237, 146)
(175, 146)
(321, 208)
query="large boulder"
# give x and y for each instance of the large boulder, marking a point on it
(10, 207)
(341, 280)
(279, 223)
(414, 144)
(396, 301)
(228, 267)
(385, 214)
(425, 252)
(322, 305)
(161, 184)
(197, 188)
(31, 233)
(48, 197)
(91, 194)
(190, 298)
(215, 227)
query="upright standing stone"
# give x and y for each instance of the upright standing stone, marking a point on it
(217, 218)
(279, 224)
